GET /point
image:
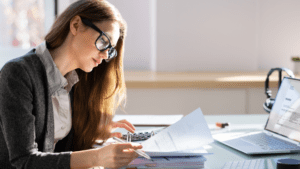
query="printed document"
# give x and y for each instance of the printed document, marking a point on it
(189, 133)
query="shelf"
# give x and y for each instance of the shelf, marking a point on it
(135, 79)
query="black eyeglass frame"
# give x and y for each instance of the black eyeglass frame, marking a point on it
(90, 24)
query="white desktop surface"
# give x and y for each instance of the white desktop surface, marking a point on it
(149, 119)
(237, 123)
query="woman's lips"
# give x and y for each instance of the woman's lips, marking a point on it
(97, 62)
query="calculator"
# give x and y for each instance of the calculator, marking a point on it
(142, 136)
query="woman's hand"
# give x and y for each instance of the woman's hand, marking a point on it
(122, 124)
(117, 155)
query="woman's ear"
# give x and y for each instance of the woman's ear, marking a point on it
(75, 24)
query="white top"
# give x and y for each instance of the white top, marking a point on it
(60, 87)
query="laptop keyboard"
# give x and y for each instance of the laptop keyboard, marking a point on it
(268, 142)
(246, 164)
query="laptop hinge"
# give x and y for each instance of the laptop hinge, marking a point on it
(268, 133)
(282, 137)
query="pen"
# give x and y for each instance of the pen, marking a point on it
(141, 153)
(221, 125)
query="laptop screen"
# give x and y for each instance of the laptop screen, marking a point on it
(284, 118)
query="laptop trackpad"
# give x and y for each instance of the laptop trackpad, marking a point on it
(235, 141)
(243, 146)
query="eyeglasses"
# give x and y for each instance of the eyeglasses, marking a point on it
(102, 42)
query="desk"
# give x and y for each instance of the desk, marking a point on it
(238, 123)
(181, 92)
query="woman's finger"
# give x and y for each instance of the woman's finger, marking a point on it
(116, 134)
(128, 123)
(129, 126)
(128, 155)
(123, 125)
(121, 146)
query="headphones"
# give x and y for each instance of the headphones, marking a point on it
(270, 101)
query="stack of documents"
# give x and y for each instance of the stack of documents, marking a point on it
(178, 145)
(169, 162)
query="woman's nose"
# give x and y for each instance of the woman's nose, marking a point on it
(104, 54)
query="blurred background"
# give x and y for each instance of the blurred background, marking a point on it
(181, 54)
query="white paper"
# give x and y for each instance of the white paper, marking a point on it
(191, 132)
(195, 152)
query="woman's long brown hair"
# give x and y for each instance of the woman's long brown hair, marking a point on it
(100, 92)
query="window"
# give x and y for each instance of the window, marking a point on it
(24, 23)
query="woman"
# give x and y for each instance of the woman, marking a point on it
(59, 98)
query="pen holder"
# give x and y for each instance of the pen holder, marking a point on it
(297, 67)
(296, 61)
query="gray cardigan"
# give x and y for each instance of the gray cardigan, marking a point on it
(26, 118)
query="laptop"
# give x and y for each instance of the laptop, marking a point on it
(282, 130)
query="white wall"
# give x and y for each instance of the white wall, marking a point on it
(49, 14)
(139, 15)
(185, 100)
(206, 35)
(211, 35)
(63, 4)
(279, 33)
